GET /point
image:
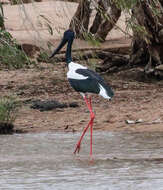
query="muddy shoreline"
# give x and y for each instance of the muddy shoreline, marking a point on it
(135, 98)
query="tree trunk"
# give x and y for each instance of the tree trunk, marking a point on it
(148, 35)
(105, 19)
(80, 21)
(101, 10)
(2, 25)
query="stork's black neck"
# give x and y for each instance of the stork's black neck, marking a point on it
(68, 52)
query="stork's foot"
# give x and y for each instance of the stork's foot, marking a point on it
(91, 159)
(77, 149)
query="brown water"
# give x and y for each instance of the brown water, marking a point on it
(45, 162)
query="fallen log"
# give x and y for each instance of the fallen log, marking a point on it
(112, 62)
(86, 54)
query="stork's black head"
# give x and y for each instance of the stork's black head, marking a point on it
(67, 37)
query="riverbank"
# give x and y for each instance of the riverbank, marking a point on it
(136, 98)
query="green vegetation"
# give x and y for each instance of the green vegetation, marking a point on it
(8, 109)
(125, 4)
(43, 57)
(10, 54)
(91, 39)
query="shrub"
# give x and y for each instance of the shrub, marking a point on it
(8, 109)
(10, 54)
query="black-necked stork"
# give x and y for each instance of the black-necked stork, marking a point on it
(84, 81)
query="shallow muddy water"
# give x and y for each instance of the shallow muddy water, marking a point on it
(122, 161)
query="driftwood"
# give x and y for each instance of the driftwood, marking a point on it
(141, 122)
(109, 61)
(112, 62)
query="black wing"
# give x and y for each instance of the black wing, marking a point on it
(96, 77)
(91, 84)
(90, 74)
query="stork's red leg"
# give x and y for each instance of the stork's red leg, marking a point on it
(91, 127)
(90, 124)
(77, 149)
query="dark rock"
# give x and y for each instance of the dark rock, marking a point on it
(6, 128)
(47, 105)
(73, 105)
(50, 105)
